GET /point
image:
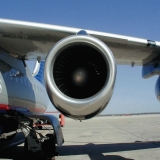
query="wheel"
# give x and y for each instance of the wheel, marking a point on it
(48, 146)
(10, 124)
(29, 154)
(25, 146)
(39, 127)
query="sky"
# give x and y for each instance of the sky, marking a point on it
(132, 93)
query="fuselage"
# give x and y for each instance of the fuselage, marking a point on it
(20, 91)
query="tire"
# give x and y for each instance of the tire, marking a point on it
(10, 124)
(30, 155)
(49, 147)
(25, 146)
(39, 127)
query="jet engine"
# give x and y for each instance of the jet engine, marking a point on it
(80, 74)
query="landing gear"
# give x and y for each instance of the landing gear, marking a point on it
(39, 146)
(44, 150)
(36, 144)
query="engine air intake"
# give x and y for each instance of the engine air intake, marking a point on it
(80, 71)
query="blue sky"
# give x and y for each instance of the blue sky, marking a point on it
(132, 94)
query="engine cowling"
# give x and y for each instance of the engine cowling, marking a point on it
(80, 74)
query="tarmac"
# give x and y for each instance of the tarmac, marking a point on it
(135, 137)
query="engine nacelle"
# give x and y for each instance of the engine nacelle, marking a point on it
(157, 88)
(80, 74)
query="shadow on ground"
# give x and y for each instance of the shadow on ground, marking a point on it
(94, 151)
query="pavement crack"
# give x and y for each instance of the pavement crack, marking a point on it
(155, 143)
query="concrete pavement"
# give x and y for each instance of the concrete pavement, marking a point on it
(108, 138)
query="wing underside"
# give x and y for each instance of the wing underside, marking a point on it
(28, 40)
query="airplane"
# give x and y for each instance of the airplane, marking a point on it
(75, 68)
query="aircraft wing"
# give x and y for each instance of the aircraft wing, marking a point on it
(29, 40)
